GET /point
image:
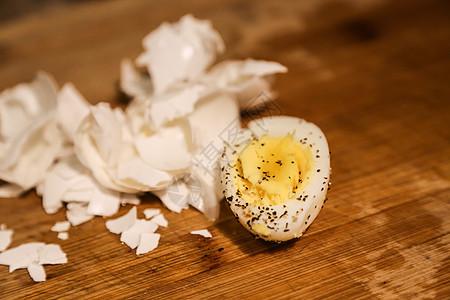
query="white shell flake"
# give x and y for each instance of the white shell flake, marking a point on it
(37, 272)
(203, 232)
(61, 226)
(122, 223)
(180, 51)
(148, 242)
(5, 238)
(246, 79)
(72, 108)
(77, 213)
(129, 199)
(63, 235)
(51, 254)
(69, 181)
(8, 190)
(160, 220)
(151, 212)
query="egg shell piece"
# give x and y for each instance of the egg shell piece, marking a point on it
(173, 105)
(175, 196)
(179, 51)
(103, 202)
(77, 214)
(148, 242)
(132, 235)
(68, 181)
(294, 216)
(203, 232)
(72, 108)
(122, 223)
(129, 199)
(206, 198)
(8, 190)
(29, 131)
(23, 104)
(63, 235)
(36, 272)
(151, 212)
(51, 254)
(246, 79)
(167, 149)
(137, 174)
(39, 146)
(160, 220)
(208, 143)
(5, 238)
(61, 226)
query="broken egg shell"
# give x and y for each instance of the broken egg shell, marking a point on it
(36, 272)
(160, 220)
(5, 238)
(104, 145)
(151, 212)
(167, 149)
(203, 232)
(245, 79)
(122, 223)
(179, 51)
(8, 190)
(148, 242)
(61, 226)
(77, 213)
(72, 108)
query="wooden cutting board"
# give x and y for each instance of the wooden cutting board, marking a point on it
(374, 75)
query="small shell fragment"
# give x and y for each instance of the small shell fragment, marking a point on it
(37, 272)
(129, 199)
(72, 108)
(5, 238)
(51, 254)
(122, 223)
(203, 232)
(8, 190)
(61, 226)
(104, 202)
(77, 213)
(63, 235)
(148, 242)
(151, 212)
(160, 220)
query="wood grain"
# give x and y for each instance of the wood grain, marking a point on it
(374, 75)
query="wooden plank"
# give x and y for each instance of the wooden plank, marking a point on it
(373, 76)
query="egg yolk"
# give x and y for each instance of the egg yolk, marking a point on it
(272, 170)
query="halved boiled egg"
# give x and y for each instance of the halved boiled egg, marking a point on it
(275, 176)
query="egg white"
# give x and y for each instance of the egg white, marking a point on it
(290, 219)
